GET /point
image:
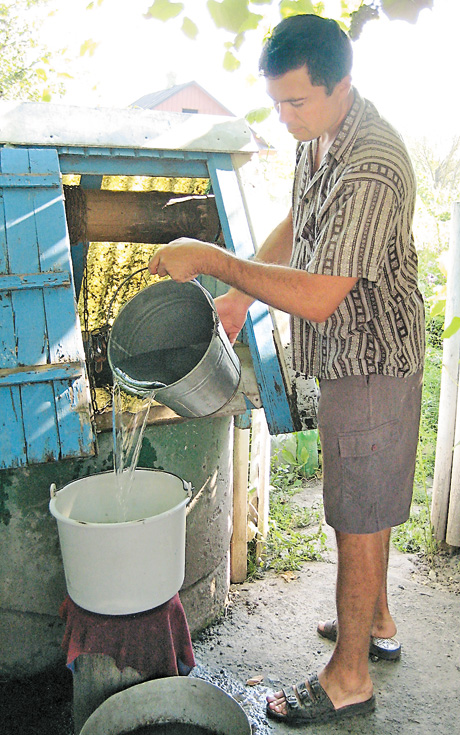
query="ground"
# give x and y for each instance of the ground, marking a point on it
(269, 631)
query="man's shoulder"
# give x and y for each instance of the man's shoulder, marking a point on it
(379, 148)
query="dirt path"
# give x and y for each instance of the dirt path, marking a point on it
(270, 631)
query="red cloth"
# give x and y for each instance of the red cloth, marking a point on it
(150, 642)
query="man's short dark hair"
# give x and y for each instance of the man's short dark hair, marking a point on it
(311, 41)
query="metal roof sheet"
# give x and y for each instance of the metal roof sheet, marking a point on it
(48, 124)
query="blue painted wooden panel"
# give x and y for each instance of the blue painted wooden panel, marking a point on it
(40, 422)
(45, 406)
(12, 446)
(259, 326)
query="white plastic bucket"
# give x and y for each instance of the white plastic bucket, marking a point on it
(115, 568)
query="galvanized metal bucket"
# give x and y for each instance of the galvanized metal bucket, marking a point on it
(178, 700)
(168, 339)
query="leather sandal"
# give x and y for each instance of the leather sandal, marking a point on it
(312, 704)
(385, 648)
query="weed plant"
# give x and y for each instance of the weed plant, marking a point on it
(295, 533)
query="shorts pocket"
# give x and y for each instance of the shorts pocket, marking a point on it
(369, 442)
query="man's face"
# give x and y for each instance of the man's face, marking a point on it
(307, 110)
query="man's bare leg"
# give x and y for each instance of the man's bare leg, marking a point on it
(362, 564)
(383, 625)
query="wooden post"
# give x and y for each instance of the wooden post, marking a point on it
(259, 475)
(443, 473)
(453, 519)
(238, 548)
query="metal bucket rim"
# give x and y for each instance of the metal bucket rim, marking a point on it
(96, 524)
(141, 714)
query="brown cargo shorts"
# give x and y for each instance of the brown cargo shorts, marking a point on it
(369, 426)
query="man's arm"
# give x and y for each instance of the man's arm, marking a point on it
(233, 306)
(267, 278)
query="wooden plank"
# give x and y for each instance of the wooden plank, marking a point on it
(8, 356)
(12, 440)
(64, 334)
(239, 239)
(28, 281)
(453, 518)
(113, 165)
(449, 391)
(53, 418)
(239, 543)
(27, 180)
(40, 423)
(21, 237)
(3, 250)
(75, 431)
(259, 476)
(71, 400)
(7, 337)
(41, 374)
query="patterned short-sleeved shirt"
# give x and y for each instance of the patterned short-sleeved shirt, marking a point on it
(353, 217)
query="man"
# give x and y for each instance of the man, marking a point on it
(343, 265)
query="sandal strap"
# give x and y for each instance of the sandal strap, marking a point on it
(290, 696)
(319, 693)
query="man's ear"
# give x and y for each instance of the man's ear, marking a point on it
(343, 87)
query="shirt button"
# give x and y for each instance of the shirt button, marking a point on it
(374, 447)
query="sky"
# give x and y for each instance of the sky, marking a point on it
(406, 70)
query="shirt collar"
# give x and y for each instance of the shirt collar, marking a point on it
(349, 128)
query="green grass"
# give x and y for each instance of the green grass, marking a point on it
(295, 534)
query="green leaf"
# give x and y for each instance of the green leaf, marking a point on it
(438, 308)
(233, 15)
(295, 7)
(404, 9)
(258, 115)
(41, 74)
(88, 47)
(46, 96)
(189, 28)
(164, 10)
(453, 327)
(230, 62)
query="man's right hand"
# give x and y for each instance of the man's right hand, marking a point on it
(232, 309)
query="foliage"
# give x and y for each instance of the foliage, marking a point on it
(26, 71)
(416, 534)
(437, 169)
(238, 17)
(429, 416)
(295, 533)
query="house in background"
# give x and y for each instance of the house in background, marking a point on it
(191, 98)
(188, 98)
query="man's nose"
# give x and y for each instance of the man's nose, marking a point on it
(285, 112)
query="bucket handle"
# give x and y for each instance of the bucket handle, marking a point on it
(145, 268)
(134, 273)
(188, 487)
(210, 301)
(53, 490)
